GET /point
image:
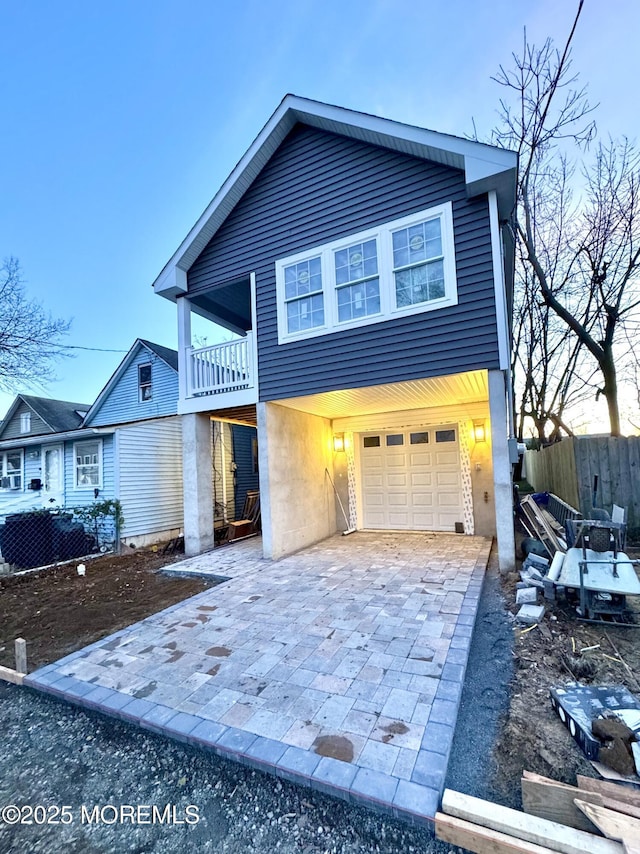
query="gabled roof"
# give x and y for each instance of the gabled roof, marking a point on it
(486, 168)
(59, 415)
(167, 355)
(170, 357)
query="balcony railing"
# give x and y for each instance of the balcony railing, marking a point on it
(221, 368)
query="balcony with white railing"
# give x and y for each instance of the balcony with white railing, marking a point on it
(220, 369)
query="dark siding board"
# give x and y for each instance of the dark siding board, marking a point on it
(245, 477)
(319, 187)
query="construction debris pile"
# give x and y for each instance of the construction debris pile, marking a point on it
(594, 817)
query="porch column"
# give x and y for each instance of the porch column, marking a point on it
(198, 486)
(184, 341)
(502, 483)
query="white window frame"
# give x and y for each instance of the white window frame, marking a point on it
(5, 473)
(388, 307)
(87, 486)
(141, 385)
(25, 422)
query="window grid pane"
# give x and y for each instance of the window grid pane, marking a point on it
(359, 300)
(303, 278)
(420, 284)
(306, 313)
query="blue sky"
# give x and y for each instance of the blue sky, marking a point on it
(122, 118)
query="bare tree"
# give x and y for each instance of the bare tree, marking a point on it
(29, 336)
(582, 258)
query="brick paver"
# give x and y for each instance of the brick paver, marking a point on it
(340, 667)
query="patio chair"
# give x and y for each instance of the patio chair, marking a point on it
(249, 523)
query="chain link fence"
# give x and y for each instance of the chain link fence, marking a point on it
(42, 537)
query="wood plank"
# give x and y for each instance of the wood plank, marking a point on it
(567, 840)
(9, 675)
(555, 802)
(611, 804)
(613, 824)
(483, 840)
(616, 791)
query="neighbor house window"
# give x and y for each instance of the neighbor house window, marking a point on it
(25, 422)
(11, 470)
(88, 464)
(144, 382)
(402, 267)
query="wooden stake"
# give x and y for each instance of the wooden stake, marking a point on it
(21, 655)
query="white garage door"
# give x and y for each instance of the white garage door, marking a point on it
(411, 479)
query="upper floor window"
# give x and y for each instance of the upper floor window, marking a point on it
(11, 469)
(25, 422)
(402, 267)
(303, 295)
(144, 383)
(88, 464)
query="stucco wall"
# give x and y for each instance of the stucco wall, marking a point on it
(298, 506)
(484, 514)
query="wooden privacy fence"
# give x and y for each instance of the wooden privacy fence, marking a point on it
(568, 469)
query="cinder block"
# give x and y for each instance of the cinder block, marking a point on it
(542, 563)
(527, 596)
(530, 614)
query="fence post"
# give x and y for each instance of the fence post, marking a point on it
(21, 655)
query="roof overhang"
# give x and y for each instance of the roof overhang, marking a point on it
(54, 438)
(486, 167)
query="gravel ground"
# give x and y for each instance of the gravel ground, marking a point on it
(54, 754)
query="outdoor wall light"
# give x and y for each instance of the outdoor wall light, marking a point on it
(479, 431)
(338, 442)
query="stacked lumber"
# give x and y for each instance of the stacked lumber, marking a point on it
(594, 817)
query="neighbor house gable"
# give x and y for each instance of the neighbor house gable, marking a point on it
(145, 385)
(38, 416)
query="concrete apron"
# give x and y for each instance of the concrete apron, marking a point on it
(340, 667)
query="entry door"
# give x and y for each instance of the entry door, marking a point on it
(411, 479)
(53, 473)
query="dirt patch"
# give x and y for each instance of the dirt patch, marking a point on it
(562, 649)
(57, 611)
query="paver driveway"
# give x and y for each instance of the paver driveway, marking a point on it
(340, 666)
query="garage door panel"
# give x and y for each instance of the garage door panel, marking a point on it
(397, 479)
(420, 458)
(421, 478)
(374, 499)
(447, 499)
(447, 521)
(398, 499)
(397, 460)
(422, 499)
(398, 520)
(371, 481)
(424, 520)
(372, 461)
(447, 458)
(448, 478)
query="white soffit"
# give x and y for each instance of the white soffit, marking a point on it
(470, 387)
